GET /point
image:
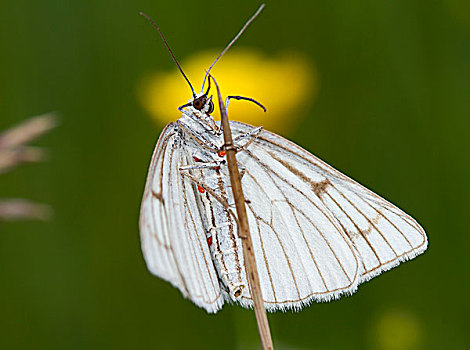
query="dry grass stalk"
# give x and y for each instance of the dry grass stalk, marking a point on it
(14, 151)
(244, 231)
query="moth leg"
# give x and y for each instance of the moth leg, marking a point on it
(206, 188)
(208, 165)
(209, 123)
(209, 190)
(211, 165)
(251, 135)
(227, 100)
(198, 138)
(191, 115)
(182, 107)
(187, 113)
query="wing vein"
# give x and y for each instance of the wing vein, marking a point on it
(178, 269)
(268, 270)
(292, 208)
(197, 238)
(269, 171)
(367, 219)
(355, 225)
(388, 220)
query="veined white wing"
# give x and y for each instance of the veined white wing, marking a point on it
(316, 233)
(172, 232)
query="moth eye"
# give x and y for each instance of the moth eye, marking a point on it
(211, 107)
(197, 104)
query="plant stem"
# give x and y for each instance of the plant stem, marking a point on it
(244, 231)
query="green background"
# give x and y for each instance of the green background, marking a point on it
(392, 111)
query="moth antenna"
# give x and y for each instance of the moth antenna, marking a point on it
(208, 87)
(232, 42)
(168, 47)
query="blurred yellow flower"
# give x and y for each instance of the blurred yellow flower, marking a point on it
(397, 330)
(283, 84)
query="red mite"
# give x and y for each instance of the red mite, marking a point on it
(200, 189)
(196, 159)
(221, 153)
(209, 240)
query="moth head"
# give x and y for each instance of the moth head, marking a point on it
(203, 104)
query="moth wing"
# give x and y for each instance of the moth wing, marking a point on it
(172, 233)
(317, 233)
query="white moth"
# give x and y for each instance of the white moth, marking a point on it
(317, 234)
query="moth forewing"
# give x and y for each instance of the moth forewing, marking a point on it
(172, 231)
(318, 232)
